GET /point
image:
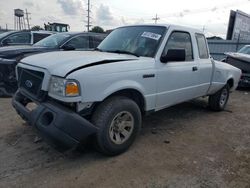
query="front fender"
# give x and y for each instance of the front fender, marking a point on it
(96, 89)
(121, 85)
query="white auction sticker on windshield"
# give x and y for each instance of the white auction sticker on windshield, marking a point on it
(151, 35)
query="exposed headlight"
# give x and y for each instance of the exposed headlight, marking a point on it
(63, 87)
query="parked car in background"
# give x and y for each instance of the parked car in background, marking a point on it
(25, 37)
(9, 56)
(245, 50)
(241, 60)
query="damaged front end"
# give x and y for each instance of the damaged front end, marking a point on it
(8, 82)
(242, 62)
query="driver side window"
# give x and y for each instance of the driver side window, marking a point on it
(180, 40)
(19, 38)
(79, 42)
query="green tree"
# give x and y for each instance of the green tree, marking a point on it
(36, 28)
(97, 29)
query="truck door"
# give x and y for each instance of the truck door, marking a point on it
(205, 64)
(177, 81)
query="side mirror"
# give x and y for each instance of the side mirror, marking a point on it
(68, 47)
(174, 55)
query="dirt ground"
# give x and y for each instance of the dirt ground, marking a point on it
(184, 146)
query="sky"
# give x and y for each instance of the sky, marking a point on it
(212, 16)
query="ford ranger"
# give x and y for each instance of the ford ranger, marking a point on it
(102, 95)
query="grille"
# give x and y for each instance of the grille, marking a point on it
(30, 81)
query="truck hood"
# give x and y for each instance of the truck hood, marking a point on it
(63, 63)
(11, 52)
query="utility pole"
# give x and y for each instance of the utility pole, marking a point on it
(27, 18)
(156, 18)
(204, 28)
(88, 16)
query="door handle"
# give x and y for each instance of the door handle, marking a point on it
(195, 68)
(148, 75)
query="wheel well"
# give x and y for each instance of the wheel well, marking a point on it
(230, 82)
(132, 94)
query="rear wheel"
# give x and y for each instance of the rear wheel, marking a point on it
(218, 101)
(119, 122)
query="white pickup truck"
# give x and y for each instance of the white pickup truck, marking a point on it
(101, 95)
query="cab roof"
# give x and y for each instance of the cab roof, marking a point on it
(178, 27)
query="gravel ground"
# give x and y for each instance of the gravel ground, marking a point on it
(184, 146)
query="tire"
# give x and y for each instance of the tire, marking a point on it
(4, 93)
(114, 136)
(218, 101)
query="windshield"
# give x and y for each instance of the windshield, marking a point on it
(137, 40)
(245, 50)
(53, 41)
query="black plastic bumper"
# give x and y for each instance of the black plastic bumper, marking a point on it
(57, 123)
(244, 80)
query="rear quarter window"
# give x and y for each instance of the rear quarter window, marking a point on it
(202, 46)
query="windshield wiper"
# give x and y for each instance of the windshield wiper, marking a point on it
(123, 52)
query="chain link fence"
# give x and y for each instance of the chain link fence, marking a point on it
(217, 48)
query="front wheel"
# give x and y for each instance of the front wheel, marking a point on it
(218, 101)
(119, 122)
